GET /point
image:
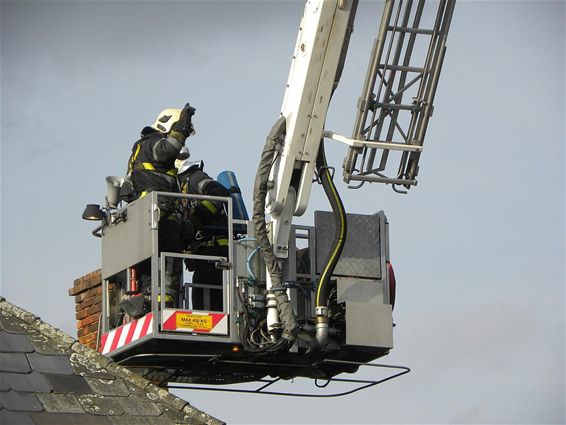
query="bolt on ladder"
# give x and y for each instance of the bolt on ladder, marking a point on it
(397, 97)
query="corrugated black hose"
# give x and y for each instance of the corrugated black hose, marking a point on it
(286, 315)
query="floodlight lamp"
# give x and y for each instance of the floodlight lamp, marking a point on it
(92, 212)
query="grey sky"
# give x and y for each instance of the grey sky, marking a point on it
(478, 245)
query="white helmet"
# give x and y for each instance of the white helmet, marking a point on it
(185, 165)
(166, 119)
(184, 153)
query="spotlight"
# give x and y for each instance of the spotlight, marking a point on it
(92, 212)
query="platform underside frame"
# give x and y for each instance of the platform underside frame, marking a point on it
(265, 384)
(363, 383)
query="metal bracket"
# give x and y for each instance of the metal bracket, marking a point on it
(155, 214)
(223, 265)
(394, 146)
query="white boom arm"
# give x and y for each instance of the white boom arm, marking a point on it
(315, 62)
(289, 159)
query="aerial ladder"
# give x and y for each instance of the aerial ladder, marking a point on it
(380, 126)
(298, 301)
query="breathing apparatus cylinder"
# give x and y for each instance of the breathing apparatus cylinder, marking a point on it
(228, 180)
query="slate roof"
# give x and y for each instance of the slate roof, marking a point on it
(47, 377)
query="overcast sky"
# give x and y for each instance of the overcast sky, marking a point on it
(478, 245)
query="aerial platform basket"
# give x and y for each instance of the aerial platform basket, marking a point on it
(180, 344)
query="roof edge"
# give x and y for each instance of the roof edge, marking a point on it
(138, 381)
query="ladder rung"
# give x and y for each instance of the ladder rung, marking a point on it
(401, 68)
(372, 144)
(376, 179)
(397, 106)
(410, 30)
(393, 146)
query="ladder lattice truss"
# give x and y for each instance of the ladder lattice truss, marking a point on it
(398, 94)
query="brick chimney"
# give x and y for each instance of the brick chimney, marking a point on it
(87, 291)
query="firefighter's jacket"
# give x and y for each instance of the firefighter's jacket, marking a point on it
(152, 164)
(208, 218)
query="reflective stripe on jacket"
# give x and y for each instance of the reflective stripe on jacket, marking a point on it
(152, 163)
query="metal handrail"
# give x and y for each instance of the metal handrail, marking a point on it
(364, 383)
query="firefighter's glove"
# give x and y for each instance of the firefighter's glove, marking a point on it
(184, 127)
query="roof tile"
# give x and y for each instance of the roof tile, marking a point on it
(128, 375)
(4, 386)
(12, 324)
(14, 362)
(173, 415)
(50, 364)
(101, 405)
(137, 407)
(54, 333)
(64, 403)
(93, 420)
(133, 420)
(49, 418)
(20, 401)
(159, 395)
(193, 414)
(87, 419)
(68, 384)
(21, 314)
(30, 382)
(84, 366)
(165, 396)
(19, 418)
(44, 345)
(164, 420)
(115, 387)
(14, 343)
(90, 354)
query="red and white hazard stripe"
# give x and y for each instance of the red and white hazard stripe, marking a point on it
(125, 334)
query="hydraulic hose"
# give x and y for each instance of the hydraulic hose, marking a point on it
(341, 230)
(275, 138)
(340, 224)
(328, 184)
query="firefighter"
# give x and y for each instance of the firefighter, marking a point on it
(151, 167)
(206, 233)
